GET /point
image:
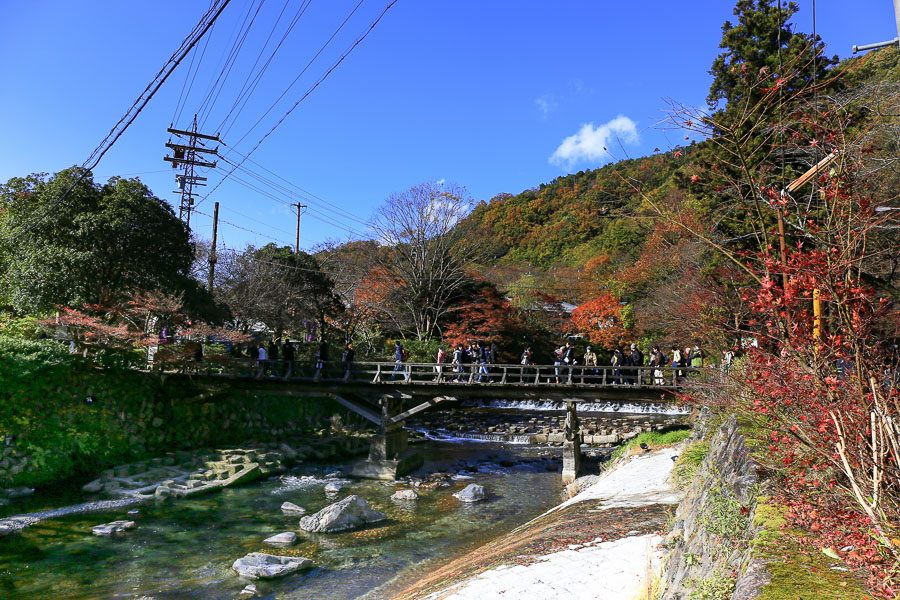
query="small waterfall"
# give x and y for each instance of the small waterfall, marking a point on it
(441, 435)
(583, 407)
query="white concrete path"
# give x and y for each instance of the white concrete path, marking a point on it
(607, 570)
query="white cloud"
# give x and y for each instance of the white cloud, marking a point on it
(546, 104)
(590, 143)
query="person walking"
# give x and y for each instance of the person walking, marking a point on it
(727, 360)
(657, 361)
(616, 362)
(272, 353)
(288, 355)
(568, 358)
(590, 360)
(458, 359)
(676, 363)
(261, 360)
(482, 352)
(347, 357)
(321, 360)
(697, 356)
(439, 367)
(636, 360)
(398, 359)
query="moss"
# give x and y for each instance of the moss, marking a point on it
(798, 571)
(653, 439)
(688, 463)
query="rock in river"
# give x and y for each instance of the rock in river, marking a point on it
(350, 513)
(259, 565)
(289, 508)
(282, 540)
(471, 493)
(113, 528)
(333, 487)
(405, 495)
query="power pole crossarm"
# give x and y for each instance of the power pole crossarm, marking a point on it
(185, 155)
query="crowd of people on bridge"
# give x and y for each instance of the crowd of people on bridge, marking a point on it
(475, 362)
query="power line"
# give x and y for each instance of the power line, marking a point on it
(205, 23)
(258, 77)
(309, 91)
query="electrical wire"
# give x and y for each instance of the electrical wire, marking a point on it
(203, 26)
(309, 91)
(246, 91)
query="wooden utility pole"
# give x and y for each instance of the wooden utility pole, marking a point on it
(300, 208)
(212, 249)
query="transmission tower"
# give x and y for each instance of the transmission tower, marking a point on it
(187, 153)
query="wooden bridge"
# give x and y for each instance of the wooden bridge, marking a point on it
(388, 393)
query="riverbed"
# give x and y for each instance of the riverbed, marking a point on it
(185, 548)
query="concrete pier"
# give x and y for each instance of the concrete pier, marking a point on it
(571, 446)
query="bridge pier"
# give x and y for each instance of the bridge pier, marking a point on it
(390, 456)
(571, 446)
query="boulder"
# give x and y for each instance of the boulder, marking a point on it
(405, 495)
(21, 492)
(333, 487)
(258, 565)
(350, 513)
(471, 493)
(113, 528)
(93, 487)
(289, 508)
(249, 591)
(282, 540)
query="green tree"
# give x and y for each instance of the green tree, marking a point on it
(95, 244)
(276, 288)
(762, 46)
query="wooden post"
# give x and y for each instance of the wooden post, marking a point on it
(212, 249)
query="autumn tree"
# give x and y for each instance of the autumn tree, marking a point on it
(425, 253)
(488, 317)
(600, 319)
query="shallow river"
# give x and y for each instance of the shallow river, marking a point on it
(184, 548)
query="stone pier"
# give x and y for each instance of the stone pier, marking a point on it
(571, 446)
(389, 455)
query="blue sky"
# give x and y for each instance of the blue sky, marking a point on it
(494, 95)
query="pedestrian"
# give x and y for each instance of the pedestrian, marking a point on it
(482, 353)
(526, 360)
(590, 360)
(618, 359)
(439, 367)
(398, 359)
(261, 360)
(697, 356)
(347, 357)
(727, 359)
(568, 358)
(636, 361)
(557, 361)
(657, 361)
(321, 360)
(676, 363)
(458, 359)
(272, 353)
(288, 355)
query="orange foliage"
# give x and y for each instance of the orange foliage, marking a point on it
(601, 320)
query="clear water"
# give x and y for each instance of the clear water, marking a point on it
(185, 548)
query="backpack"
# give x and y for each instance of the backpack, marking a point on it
(404, 356)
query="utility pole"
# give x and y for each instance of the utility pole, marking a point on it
(187, 155)
(212, 249)
(300, 207)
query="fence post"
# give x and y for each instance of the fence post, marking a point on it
(503, 379)
(377, 374)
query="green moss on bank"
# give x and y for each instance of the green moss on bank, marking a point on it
(688, 463)
(653, 439)
(799, 572)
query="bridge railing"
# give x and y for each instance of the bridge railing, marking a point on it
(447, 373)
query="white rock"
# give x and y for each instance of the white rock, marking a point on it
(333, 487)
(249, 591)
(113, 528)
(258, 565)
(282, 540)
(471, 493)
(405, 495)
(289, 508)
(350, 513)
